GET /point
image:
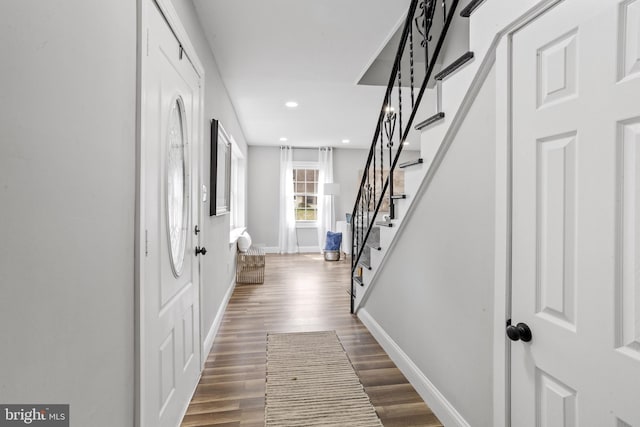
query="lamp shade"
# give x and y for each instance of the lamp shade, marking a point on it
(331, 189)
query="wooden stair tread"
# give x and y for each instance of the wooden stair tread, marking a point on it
(365, 264)
(414, 162)
(384, 224)
(454, 66)
(429, 121)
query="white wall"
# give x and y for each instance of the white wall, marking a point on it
(264, 194)
(434, 295)
(67, 198)
(263, 185)
(67, 203)
(457, 41)
(218, 269)
(264, 189)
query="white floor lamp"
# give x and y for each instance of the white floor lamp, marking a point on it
(332, 189)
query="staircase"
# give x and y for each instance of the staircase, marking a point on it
(417, 74)
(441, 263)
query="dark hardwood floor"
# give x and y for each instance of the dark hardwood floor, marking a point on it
(300, 293)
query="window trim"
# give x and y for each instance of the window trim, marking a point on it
(237, 196)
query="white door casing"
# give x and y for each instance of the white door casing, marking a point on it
(169, 308)
(576, 247)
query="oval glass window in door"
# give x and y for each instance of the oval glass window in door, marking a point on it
(177, 187)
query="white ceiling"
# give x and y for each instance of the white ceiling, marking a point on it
(313, 52)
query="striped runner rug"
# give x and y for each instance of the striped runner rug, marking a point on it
(310, 382)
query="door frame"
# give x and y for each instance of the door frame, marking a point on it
(173, 21)
(503, 213)
(503, 206)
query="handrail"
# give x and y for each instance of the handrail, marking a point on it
(390, 85)
(388, 118)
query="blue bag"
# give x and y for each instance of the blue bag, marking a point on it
(333, 241)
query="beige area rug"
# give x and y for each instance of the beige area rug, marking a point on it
(310, 382)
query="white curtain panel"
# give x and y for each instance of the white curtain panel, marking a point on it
(326, 212)
(287, 239)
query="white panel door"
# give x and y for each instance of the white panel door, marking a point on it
(169, 295)
(576, 212)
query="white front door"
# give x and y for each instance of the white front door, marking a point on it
(169, 291)
(576, 216)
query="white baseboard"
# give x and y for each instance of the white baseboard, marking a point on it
(211, 335)
(301, 249)
(440, 406)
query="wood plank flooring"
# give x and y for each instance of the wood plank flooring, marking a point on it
(300, 293)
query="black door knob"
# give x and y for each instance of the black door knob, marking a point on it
(519, 332)
(201, 250)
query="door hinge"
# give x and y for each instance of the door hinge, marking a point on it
(146, 243)
(147, 42)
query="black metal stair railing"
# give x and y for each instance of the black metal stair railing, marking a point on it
(415, 60)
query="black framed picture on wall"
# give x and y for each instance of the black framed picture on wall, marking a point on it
(220, 176)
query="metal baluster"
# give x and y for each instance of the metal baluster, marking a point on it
(354, 235)
(356, 224)
(362, 218)
(444, 10)
(428, 9)
(358, 227)
(425, 40)
(390, 127)
(368, 192)
(381, 157)
(388, 192)
(361, 225)
(411, 61)
(392, 207)
(374, 175)
(390, 186)
(355, 231)
(363, 206)
(399, 107)
(356, 240)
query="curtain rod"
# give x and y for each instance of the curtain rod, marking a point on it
(305, 148)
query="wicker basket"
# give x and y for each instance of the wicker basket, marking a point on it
(250, 266)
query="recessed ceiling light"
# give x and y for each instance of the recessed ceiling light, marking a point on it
(406, 143)
(291, 104)
(283, 139)
(345, 141)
